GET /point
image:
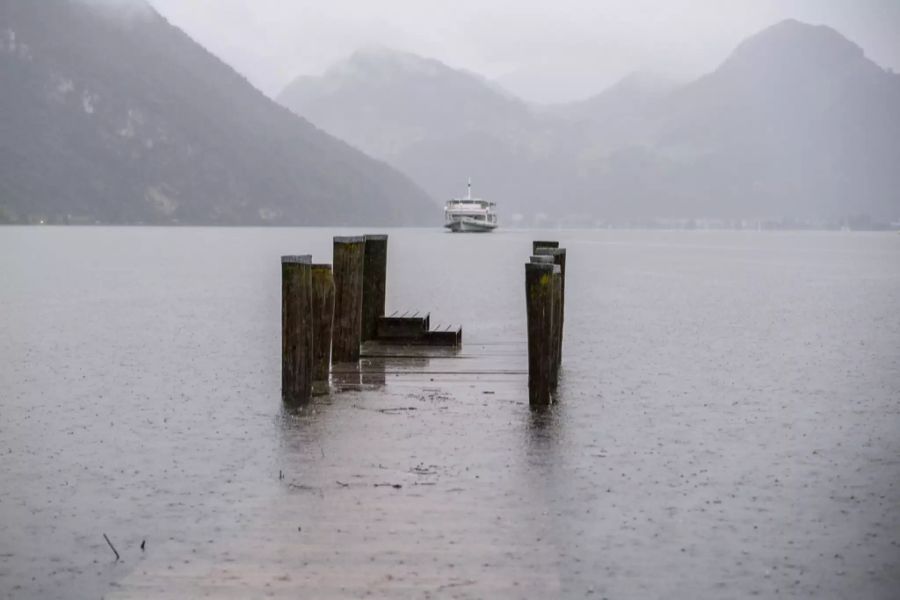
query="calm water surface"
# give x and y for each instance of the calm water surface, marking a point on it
(728, 424)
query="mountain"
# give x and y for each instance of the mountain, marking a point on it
(796, 124)
(630, 97)
(382, 101)
(623, 115)
(437, 124)
(110, 114)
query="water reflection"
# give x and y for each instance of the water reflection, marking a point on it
(373, 372)
(346, 376)
(300, 427)
(543, 424)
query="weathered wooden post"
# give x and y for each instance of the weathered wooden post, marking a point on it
(323, 319)
(296, 329)
(539, 308)
(374, 276)
(349, 256)
(559, 258)
(556, 328)
(542, 244)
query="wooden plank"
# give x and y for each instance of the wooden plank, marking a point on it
(402, 327)
(446, 337)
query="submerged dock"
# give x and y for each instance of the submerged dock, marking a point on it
(380, 363)
(354, 325)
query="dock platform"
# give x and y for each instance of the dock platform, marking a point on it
(413, 327)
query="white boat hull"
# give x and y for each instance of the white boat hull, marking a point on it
(470, 226)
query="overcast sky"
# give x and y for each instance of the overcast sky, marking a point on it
(552, 50)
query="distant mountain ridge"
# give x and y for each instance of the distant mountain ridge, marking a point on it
(383, 100)
(796, 123)
(109, 114)
(797, 115)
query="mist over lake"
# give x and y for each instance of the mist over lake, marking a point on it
(462, 300)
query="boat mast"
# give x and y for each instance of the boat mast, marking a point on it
(469, 190)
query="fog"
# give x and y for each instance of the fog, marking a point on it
(699, 399)
(542, 51)
(797, 128)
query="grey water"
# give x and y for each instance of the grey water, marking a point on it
(727, 424)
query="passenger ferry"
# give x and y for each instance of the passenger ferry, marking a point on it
(469, 214)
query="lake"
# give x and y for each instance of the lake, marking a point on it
(728, 421)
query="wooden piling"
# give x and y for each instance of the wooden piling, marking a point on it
(374, 276)
(559, 258)
(323, 319)
(349, 260)
(542, 244)
(543, 259)
(296, 329)
(539, 308)
(556, 328)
